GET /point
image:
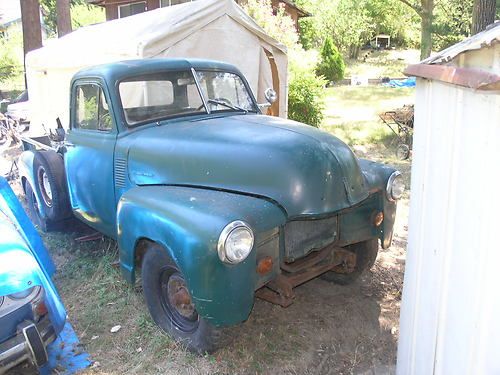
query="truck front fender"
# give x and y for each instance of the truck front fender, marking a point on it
(377, 175)
(187, 222)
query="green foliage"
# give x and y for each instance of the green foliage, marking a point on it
(305, 99)
(11, 54)
(353, 23)
(82, 14)
(452, 22)
(332, 65)
(279, 26)
(305, 90)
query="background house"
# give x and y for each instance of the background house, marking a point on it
(124, 8)
(10, 18)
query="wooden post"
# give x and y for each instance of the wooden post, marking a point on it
(32, 30)
(63, 17)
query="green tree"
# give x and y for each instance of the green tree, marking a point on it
(305, 89)
(11, 56)
(352, 23)
(82, 14)
(483, 14)
(332, 65)
(305, 97)
(276, 24)
(425, 10)
(452, 22)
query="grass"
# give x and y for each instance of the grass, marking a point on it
(377, 64)
(352, 112)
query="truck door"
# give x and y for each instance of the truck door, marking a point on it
(90, 145)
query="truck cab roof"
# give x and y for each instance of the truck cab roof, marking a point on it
(116, 71)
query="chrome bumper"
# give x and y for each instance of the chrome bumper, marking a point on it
(29, 344)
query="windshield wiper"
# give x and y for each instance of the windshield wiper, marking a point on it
(227, 105)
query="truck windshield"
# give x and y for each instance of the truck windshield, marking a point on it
(224, 91)
(156, 96)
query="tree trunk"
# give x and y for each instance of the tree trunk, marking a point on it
(426, 26)
(483, 14)
(32, 30)
(63, 17)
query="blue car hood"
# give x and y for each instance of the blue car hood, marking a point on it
(24, 260)
(305, 170)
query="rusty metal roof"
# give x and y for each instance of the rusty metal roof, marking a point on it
(438, 67)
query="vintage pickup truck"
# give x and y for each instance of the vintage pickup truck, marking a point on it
(213, 201)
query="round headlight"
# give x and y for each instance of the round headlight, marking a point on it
(235, 242)
(395, 186)
(23, 294)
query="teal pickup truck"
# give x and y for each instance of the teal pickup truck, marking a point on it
(211, 202)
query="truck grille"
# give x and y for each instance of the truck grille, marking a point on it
(303, 236)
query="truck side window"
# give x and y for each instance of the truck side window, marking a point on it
(92, 111)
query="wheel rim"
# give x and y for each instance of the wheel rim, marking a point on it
(44, 183)
(176, 300)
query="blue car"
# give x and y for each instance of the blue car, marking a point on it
(31, 312)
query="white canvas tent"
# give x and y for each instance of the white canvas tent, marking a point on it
(210, 29)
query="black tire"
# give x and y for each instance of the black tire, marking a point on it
(33, 209)
(50, 182)
(160, 277)
(366, 254)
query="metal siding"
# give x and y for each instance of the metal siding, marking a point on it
(450, 309)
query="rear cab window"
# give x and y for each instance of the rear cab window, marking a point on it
(156, 96)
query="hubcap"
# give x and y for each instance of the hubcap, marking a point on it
(176, 300)
(179, 297)
(45, 186)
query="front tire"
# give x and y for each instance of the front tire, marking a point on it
(170, 304)
(366, 254)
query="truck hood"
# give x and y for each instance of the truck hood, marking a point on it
(305, 170)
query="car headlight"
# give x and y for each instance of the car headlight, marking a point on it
(395, 186)
(235, 242)
(23, 294)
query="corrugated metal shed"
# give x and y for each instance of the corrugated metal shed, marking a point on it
(468, 63)
(451, 304)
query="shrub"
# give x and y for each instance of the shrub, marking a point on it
(332, 65)
(305, 97)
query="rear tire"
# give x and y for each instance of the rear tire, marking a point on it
(170, 303)
(33, 210)
(366, 254)
(50, 181)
